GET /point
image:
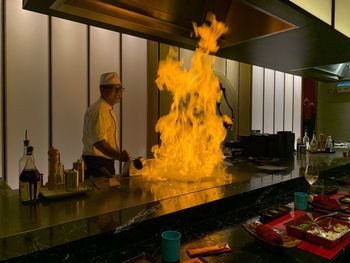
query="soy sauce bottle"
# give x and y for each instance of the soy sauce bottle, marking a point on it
(29, 180)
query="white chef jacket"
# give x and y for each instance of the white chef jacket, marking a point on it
(99, 123)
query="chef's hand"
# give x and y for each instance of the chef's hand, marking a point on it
(124, 156)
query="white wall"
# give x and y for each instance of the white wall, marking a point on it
(69, 82)
(134, 123)
(269, 98)
(26, 86)
(258, 99)
(279, 101)
(333, 114)
(276, 101)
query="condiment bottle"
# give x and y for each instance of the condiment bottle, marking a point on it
(314, 143)
(56, 170)
(54, 157)
(299, 144)
(306, 140)
(29, 180)
(329, 144)
(322, 142)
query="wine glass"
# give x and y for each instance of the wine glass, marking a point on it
(311, 174)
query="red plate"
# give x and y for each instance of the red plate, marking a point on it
(332, 228)
(297, 226)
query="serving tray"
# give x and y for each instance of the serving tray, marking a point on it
(54, 194)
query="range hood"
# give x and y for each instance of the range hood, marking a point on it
(166, 21)
(274, 34)
(329, 73)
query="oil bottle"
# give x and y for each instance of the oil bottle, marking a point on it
(29, 180)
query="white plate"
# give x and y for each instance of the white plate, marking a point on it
(271, 168)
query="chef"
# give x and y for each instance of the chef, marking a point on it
(100, 131)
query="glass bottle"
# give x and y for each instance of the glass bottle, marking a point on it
(29, 180)
(329, 144)
(22, 161)
(306, 140)
(314, 143)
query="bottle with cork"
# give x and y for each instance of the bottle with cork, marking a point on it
(314, 143)
(56, 171)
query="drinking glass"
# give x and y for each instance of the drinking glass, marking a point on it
(311, 173)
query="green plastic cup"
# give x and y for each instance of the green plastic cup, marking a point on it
(171, 241)
(300, 201)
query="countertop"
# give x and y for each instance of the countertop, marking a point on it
(53, 224)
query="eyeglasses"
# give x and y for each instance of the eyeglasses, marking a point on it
(118, 90)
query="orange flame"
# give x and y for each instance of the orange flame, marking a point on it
(192, 133)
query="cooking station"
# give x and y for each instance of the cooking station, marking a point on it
(115, 223)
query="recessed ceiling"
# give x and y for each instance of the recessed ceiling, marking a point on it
(274, 34)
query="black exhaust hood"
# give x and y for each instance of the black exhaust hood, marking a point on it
(275, 34)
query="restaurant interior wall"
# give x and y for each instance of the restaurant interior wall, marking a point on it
(51, 74)
(276, 101)
(332, 113)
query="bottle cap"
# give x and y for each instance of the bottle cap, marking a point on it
(30, 150)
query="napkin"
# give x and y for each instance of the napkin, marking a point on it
(269, 235)
(326, 202)
(206, 250)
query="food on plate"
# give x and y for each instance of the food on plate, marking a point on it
(303, 226)
(345, 199)
(332, 233)
(340, 228)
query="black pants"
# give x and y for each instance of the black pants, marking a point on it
(99, 166)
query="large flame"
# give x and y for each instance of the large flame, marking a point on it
(192, 133)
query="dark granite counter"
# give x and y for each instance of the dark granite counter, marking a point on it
(112, 224)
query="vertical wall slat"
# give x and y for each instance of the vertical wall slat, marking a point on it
(269, 87)
(165, 97)
(288, 102)
(297, 107)
(26, 86)
(232, 74)
(186, 56)
(245, 102)
(279, 101)
(104, 57)
(219, 65)
(152, 95)
(257, 98)
(2, 88)
(69, 82)
(134, 123)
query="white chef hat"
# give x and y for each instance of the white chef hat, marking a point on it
(110, 78)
